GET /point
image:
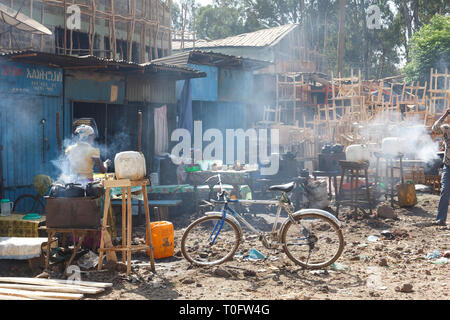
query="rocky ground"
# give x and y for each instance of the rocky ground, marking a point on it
(385, 269)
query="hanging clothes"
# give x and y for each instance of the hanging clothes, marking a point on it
(161, 131)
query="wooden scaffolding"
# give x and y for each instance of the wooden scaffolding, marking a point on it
(439, 92)
(146, 23)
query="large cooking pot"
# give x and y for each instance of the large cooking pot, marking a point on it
(74, 190)
(95, 189)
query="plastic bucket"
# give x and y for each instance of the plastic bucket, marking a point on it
(162, 239)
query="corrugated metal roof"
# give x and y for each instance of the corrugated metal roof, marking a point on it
(100, 64)
(182, 59)
(260, 38)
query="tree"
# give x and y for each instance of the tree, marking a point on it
(341, 35)
(429, 48)
(216, 22)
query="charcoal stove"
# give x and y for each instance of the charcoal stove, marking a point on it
(83, 212)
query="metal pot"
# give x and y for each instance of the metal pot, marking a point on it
(58, 190)
(94, 189)
(74, 190)
(337, 148)
(326, 149)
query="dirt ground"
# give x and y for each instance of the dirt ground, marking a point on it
(385, 269)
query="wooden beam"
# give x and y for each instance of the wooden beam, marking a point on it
(53, 282)
(35, 294)
(56, 288)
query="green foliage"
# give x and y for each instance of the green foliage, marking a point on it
(376, 52)
(218, 22)
(430, 48)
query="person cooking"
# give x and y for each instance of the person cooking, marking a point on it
(440, 127)
(83, 156)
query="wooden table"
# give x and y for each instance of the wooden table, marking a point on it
(14, 226)
(161, 207)
(126, 248)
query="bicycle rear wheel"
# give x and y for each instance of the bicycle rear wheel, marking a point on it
(208, 242)
(29, 203)
(314, 241)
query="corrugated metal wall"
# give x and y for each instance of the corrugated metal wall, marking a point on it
(151, 90)
(203, 89)
(28, 95)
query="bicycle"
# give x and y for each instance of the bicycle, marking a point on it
(215, 238)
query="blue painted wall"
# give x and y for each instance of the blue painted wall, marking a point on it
(203, 89)
(28, 94)
(235, 85)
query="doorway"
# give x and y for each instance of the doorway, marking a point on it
(116, 125)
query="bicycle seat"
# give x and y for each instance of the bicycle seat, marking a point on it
(283, 187)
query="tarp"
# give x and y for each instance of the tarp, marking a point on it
(185, 119)
(20, 248)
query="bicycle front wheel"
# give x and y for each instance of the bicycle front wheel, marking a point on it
(314, 241)
(210, 241)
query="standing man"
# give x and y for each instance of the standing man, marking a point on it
(440, 127)
(83, 156)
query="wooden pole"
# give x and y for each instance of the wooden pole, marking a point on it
(65, 29)
(140, 131)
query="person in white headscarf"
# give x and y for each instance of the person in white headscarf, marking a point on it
(83, 156)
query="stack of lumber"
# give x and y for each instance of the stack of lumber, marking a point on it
(16, 288)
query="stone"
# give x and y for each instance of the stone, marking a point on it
(219, 272)
(373, 294)
(188, 281)
(385, 211)
(428, 272)
(249, 273)
(325, 289)
(406, 288)
(383, 262)
(178, 253)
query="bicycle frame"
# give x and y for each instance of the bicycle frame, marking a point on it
(283, 203)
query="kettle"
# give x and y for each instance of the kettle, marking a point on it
(58, 190)
(74, 190)
(95, 189)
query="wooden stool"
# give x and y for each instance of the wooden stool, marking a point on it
(354, 168)
(127, 225)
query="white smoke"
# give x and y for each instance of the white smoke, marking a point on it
(417, 143)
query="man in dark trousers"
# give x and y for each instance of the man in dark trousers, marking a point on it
(440, 127)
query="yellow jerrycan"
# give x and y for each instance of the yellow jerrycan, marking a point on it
(162, 239)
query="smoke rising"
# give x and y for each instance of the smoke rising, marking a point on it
(416, 141)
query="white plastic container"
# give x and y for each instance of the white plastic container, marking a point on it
(393, 145)
(6, 207)
(130, 165)
(357, 153)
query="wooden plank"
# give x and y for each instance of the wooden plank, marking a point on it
(57, 288)
(7, 297)
(116, 183)
(31, 294)
(52, 282)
